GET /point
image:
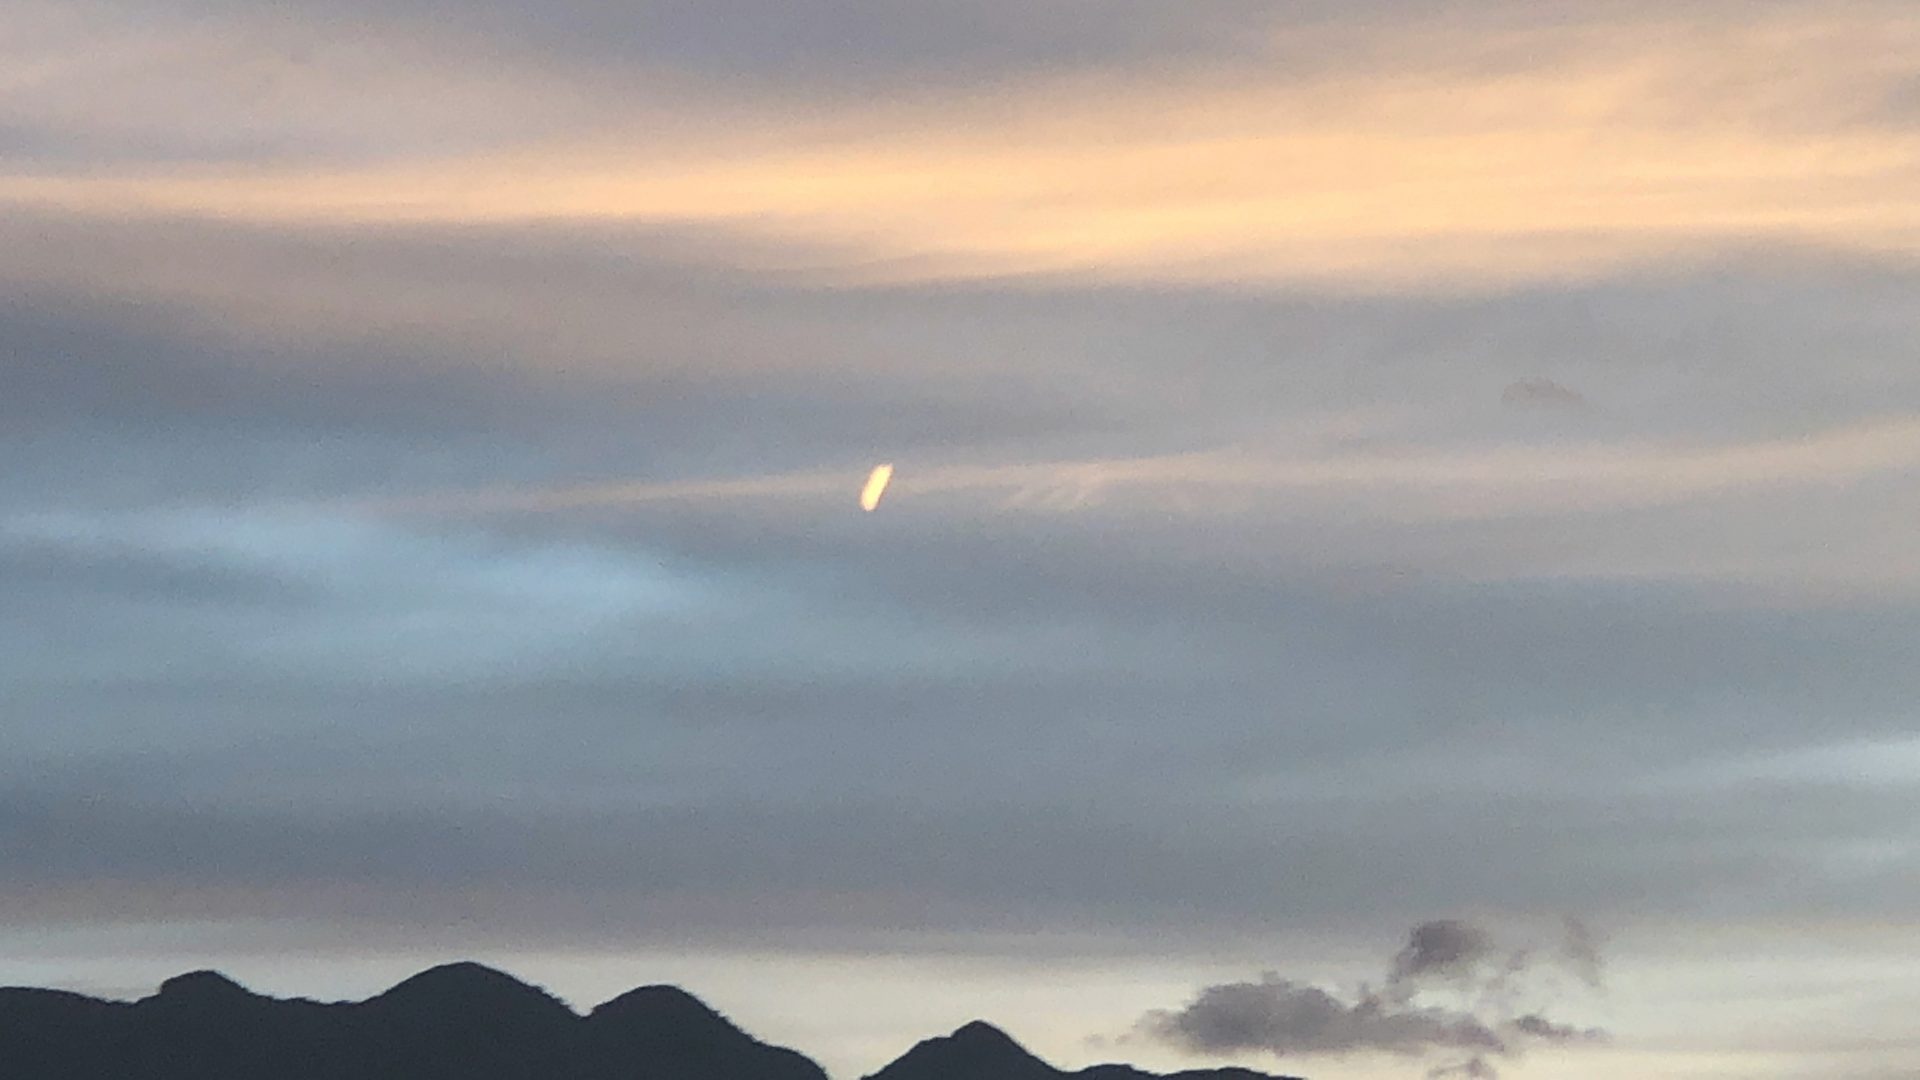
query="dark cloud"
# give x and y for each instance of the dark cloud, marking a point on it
(1535, 1026)
(587, 353)
(1445, 947)
(1285, 1018)
(1472, 1068)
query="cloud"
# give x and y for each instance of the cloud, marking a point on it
(430, 441)
(1535, 1026)
(1543, 394)
(1286, 1018)
(1584, 161)
(1580, 950)
(836, 47)
(1445, 947)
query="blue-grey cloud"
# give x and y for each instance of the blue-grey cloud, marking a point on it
(191, 517)
(819, 42)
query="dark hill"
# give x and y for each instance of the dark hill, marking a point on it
(980, 1051)
(977, 1051)
(680, 1038)
(457, 1022)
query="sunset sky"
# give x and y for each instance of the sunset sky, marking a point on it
(1356, 464)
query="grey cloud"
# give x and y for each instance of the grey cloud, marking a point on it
(65, 361)
(820, 43)
(1235, 712)
(546, 327)
(1446, 947)
(1475, 1068)
(1067, 595)
(64, 571)
(817, 681)
(1373, 650)
(1580, 950)
(554, 327)
(841, 46)
(1286, 1018)
(1533, 1025)
(607, 351)
(640, 795)
(134, 369)
(853, 875)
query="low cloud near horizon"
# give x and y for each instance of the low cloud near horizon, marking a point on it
(1453, 997)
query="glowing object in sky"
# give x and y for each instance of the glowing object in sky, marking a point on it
(876, 487)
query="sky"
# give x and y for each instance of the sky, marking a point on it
(1368, 476)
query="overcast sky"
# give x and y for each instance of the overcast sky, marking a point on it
(1357, 464)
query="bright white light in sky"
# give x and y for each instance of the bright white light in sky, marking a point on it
(875, 488)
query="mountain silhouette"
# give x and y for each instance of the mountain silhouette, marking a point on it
(455, 1022)
(980, 1051)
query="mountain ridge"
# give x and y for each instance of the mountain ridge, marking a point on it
(978, 1050)
(459, 1021)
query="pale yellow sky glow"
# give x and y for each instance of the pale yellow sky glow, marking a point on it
(1595, 157)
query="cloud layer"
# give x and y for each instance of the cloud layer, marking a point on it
(1353, 461)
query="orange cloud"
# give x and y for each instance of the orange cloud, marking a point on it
(1639, 144)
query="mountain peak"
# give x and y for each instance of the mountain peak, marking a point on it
(660, 995)
(665, 1016)
(208, 986)
(470, 987)
(975, 1051)
(982, 1034)
(667, 1002)
(466, 972)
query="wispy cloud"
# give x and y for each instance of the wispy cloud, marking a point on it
(1592, 158)
(1434, 483)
